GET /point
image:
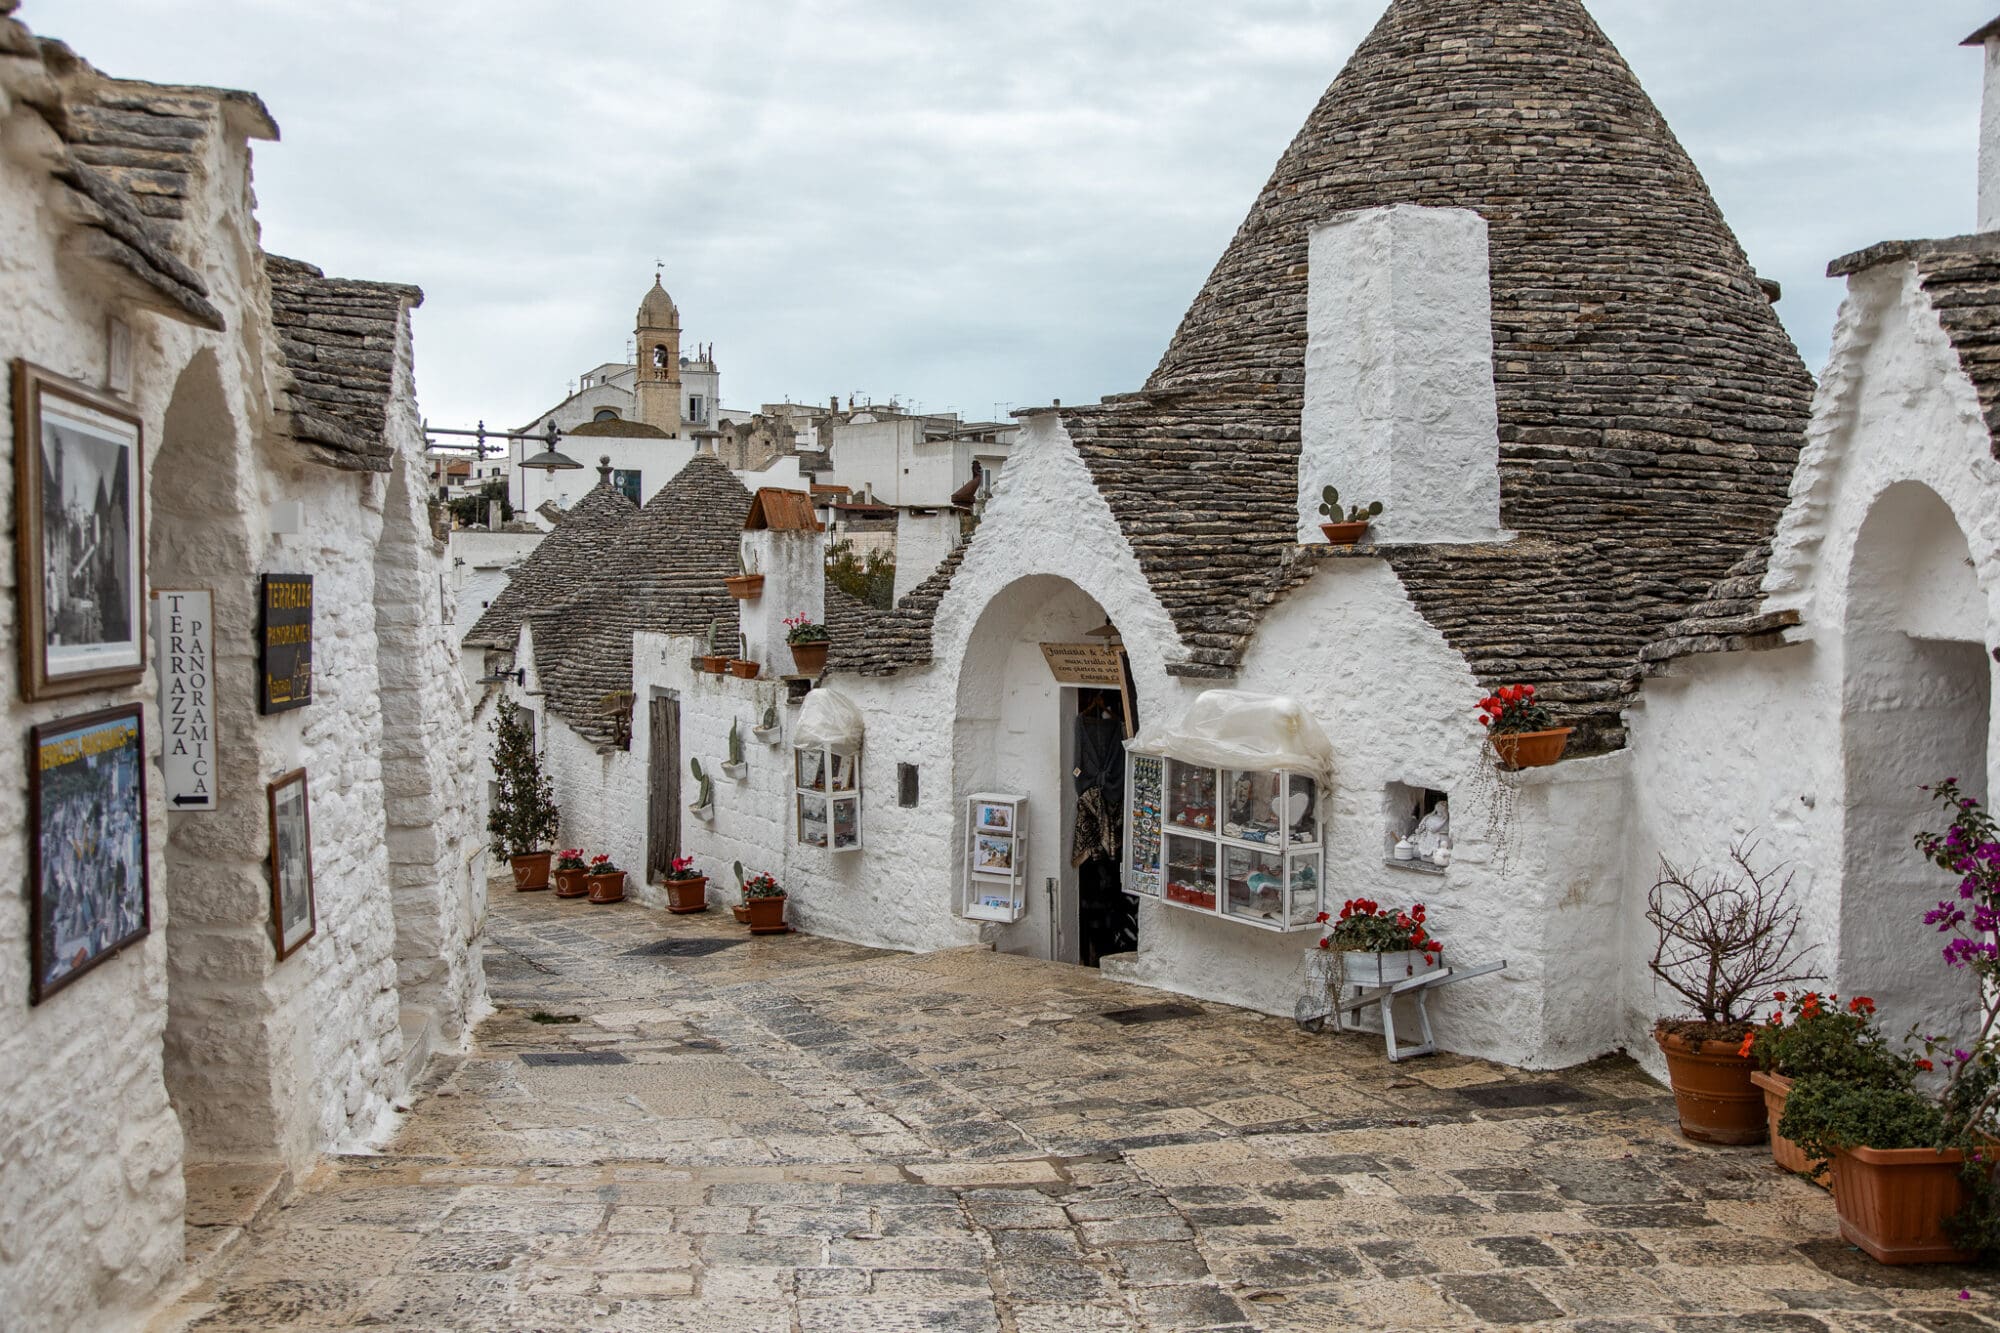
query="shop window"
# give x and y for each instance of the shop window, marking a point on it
(828, 798)
(1416, 833)
(1241, 843)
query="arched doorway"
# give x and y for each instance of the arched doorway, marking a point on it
(1915, 707)
(1020, 730)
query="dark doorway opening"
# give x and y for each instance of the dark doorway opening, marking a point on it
(1107, 917)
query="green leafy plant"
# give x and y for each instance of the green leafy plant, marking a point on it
(524, 817)
(871, 580)
(760, 885)
(1823, 1114)
(1329, 504)
(704, 786)
(604, 865)
(800, 629)
(1815, 1036)
(470, 510)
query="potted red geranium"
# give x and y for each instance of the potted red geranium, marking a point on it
(607, 881)
(809, 642)
(1524, 733)
(764, 900)
(686, 891)
(1816, 1035)
(572, 873)
(1379, 945)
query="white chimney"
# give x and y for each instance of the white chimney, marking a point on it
(1988, 38)
(1399, 403)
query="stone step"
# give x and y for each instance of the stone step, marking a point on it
(420, 1035)
(224, 1201)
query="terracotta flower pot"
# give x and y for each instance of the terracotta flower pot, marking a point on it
(715, 666)
(745, 587)
(1777, 1088)
(1894, 1203)
(531, 871)
(1344, 534)
(741, 911)
(608, 888)
(810, 658)
(1712, 1090)
(1531, 749)
(687, 895)
(572, 883)
(742, 669)
(767, 915)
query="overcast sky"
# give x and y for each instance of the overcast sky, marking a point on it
(969, 205)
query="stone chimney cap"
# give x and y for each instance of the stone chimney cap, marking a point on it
(1984, 35)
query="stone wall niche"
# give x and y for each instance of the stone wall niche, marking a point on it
(1399, 402)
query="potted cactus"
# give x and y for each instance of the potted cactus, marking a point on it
(767, 729)
(713, 662)
(764, 904)
(1345, 531)
(703, 804)
(746, 584)
(607, 881)
(572, 873)
(735, 765)
(809, 641)
(740, 909)
(743, 668)
(686, 891)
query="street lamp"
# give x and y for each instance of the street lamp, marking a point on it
(548, 460)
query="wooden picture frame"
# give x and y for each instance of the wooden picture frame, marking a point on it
(88, 884)
(80, 540)
(294, 912)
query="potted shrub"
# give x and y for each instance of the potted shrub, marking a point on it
(607, 881)
(1913, 1169)
(743, 668)
(1816, 1035)
(1345, 531)
(1724, 945)
(686, 891)
(735, 766)
(713, 662)
(746, 584)
(703, 804)
(764, 902)
(1380, 946)
(767, 729)
(1523, 733)
(524, 819)
(809, 642)
(572, 874)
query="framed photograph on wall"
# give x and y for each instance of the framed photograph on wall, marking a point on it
(294, 915)
(87, 829)
(80, 540)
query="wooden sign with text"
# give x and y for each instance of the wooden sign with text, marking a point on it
(284, 632)
(1097, 664)
(185, 628)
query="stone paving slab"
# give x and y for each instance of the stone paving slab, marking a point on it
(804, 1136)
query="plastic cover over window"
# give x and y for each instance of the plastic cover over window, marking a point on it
(1237, 729)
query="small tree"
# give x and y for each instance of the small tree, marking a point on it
(872, 581)
(524, 817)
(470, 510)
(1725, 937)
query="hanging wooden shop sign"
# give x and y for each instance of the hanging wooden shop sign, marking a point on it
(1095, 664)
(285, 659)
(185, 628)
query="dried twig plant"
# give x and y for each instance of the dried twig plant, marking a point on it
(1726, 937)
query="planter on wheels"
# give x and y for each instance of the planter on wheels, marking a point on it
(531, 871)
(745, 587)
(572, 883)
(1777, 1088)
(608, 888)
(1531, 749)
(1344, 534)
(1895, 1203)
(767, 915)
(810, 658)
(687, 895)
(1713, 1093)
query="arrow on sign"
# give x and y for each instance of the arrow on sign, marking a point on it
(190, 800)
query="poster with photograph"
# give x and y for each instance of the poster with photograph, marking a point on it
(992, 855)
(87, 788)
(79, 541)
(293, 915)
(996, 818)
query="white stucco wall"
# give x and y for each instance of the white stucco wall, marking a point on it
(1989, 140)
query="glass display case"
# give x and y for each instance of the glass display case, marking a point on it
(1241, 843)
(996, 858)
(827, 797)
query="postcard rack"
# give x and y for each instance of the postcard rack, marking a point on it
(996, 857)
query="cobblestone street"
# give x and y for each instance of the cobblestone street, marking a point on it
(671, 1126)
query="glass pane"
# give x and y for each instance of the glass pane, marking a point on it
(1190, 871)
(1251, 810)
(846, 768)
(1190, 796)
(992, 854)
(812, 820)
(812, 769)
(1146, 778)
(847, 823)
(1300, 813)
(1305, 904)
(1253, 884)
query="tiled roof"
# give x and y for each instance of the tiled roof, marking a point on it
(781, 510)
(871, 642)
(338, 340)
(1730, 618)
(555, 569)
(1651, 405)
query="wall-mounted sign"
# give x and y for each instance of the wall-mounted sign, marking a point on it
(185, 628)
(285, 657)
(1095, 664)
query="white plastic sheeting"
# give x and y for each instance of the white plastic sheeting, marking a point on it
(827, 719)
(1236, 729)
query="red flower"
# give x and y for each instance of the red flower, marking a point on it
(1748, 1042)
(1779, 996)
(1861, 1004)
(1430, 959)
(1325, 943)
(1417, 911)
(1321, 918)
(1924, 1065)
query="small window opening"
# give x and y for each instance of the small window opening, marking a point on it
(906, 785)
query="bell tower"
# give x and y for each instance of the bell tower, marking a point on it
(659, 348)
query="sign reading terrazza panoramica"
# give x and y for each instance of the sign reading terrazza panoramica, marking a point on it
(285, 642)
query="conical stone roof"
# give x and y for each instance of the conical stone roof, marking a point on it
(1651, 405)
(555, 569)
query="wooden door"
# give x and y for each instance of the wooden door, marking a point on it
(663, 786)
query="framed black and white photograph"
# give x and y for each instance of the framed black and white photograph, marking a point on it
(294, 916)
(78, 461)
(87, 813)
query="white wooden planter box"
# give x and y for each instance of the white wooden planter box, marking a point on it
(1384, 969)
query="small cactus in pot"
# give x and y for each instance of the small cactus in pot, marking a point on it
(1345, 525)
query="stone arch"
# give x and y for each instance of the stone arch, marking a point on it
(1915, 707)
(218, 1056)
(1010, 736)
